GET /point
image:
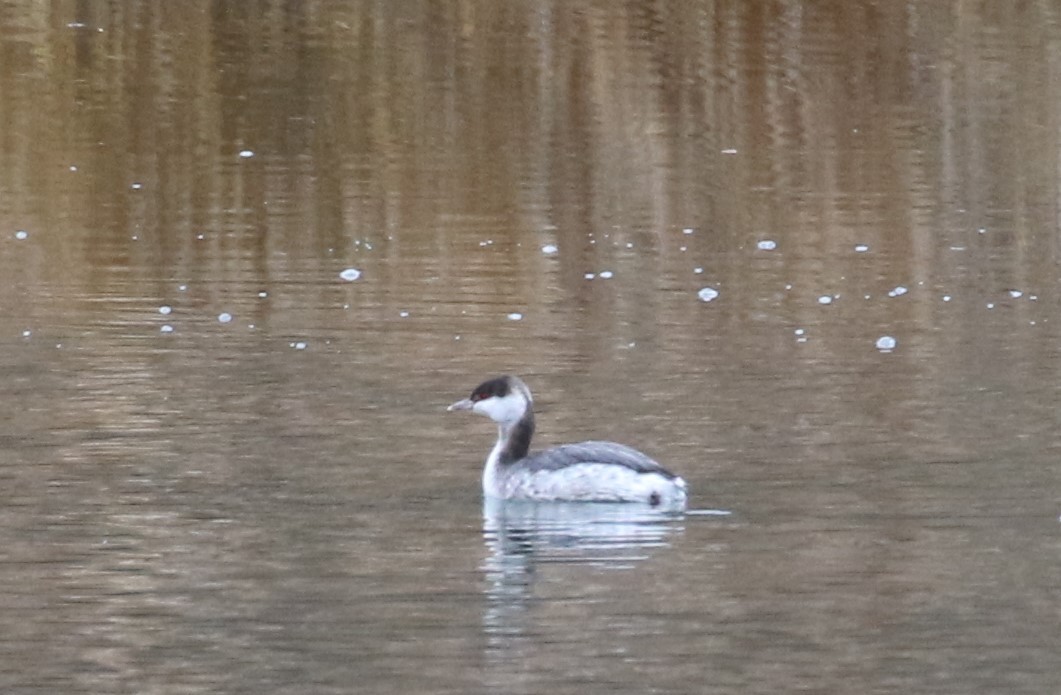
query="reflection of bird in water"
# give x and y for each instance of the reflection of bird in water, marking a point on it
(588, 471)
(609, 534)
(525, 537)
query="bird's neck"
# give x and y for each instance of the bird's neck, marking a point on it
(513, 439)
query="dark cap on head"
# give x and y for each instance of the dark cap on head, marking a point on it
(494, 387)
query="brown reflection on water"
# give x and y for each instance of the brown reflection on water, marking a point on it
(279, 499)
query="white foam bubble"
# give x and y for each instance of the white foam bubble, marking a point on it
(886, 343)
(707, 294)
(350, 274)
(224, 317)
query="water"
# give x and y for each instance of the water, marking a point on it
(259, 489)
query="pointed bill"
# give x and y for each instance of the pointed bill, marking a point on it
(463, 404)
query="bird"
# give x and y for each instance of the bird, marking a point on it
(590, 471)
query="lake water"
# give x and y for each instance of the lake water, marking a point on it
(805, 254)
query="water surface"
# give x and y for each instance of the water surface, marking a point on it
(226, 468)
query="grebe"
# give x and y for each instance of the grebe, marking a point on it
(587, 471)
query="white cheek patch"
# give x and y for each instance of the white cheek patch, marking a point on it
(509, 408)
